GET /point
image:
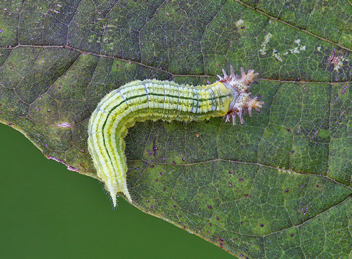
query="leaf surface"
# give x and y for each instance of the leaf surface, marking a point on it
(278, 186)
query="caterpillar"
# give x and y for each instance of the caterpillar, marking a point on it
(159, 100)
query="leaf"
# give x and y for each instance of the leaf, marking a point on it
(277, 186)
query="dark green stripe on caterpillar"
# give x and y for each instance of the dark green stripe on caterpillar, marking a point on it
(159, 100)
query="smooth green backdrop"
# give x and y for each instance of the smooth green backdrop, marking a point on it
(50, 212)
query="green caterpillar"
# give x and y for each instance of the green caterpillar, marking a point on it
(159, 100)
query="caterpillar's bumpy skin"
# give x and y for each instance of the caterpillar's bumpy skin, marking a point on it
(154, 100)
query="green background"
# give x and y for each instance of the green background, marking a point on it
(50, 212)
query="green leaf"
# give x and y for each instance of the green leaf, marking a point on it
(278, 186)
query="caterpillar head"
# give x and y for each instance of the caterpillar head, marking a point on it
(239, 83)
(243, 102)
